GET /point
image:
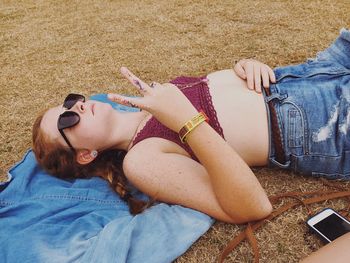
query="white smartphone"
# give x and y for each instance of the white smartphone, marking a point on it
(329, 225)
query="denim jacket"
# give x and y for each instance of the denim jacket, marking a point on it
(46, 219)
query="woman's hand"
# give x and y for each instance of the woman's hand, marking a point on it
(164, 101)
(254, 72)
(237, 192)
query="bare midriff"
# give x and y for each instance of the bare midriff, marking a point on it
(242, 115)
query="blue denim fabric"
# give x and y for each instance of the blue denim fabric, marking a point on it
(312, 101)
(46, 219)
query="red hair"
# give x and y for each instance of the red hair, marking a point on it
(60, 161)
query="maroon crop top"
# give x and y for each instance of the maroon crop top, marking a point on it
(197, 91)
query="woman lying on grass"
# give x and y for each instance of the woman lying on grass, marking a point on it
(195, 139)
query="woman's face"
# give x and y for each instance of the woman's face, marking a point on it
(92, 131)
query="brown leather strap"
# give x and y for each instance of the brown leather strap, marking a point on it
(346, 211)
(249, 232)
(275, 131)
(253, 242)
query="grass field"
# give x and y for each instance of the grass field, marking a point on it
(50, 48)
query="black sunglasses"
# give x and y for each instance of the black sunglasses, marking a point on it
(69, 119)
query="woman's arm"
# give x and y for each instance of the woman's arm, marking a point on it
(172, 178)
(236, 188)
(234, 183)
(177, 179)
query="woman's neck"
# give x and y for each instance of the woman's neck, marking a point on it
(127, 126)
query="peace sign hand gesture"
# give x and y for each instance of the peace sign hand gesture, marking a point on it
(164, 101)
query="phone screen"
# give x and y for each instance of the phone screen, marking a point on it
(333, 227)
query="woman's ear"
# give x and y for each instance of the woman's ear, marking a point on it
(86, 156)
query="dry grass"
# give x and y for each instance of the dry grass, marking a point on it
(50, 48)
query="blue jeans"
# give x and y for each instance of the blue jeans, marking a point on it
(312, 103)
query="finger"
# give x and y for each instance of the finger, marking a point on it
(265, 77)
(138, 83)
(257, 77)
(127, 101)
(272, 75)
(249, 70)
(240, 71)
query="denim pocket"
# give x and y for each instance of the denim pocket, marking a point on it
(295, 128)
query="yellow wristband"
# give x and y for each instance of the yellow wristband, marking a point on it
(191, 125)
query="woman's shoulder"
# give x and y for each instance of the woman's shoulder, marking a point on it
(151, 148)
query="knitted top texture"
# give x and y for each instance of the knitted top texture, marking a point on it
(197, 91)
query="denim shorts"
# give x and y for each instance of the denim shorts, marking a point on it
(312, 102)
